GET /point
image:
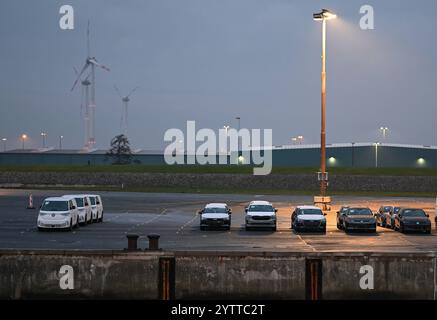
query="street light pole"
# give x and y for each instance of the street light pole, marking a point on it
(43, 135)
(60, 142)
(384, 132)
(323, 16)
(23, 138)
(238, 136)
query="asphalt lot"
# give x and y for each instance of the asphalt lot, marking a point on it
(174, 217)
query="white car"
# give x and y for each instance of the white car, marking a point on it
(58, 213)
(96, 207)
(215, 215)
(260, 214)
(83, 207)
(308, 218)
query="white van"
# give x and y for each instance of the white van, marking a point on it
(96, 206)
(58, 213)
(83, 206)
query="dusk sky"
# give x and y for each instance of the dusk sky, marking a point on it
(213, 60)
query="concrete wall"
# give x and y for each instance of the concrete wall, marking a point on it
(213, 275)
(304, 182)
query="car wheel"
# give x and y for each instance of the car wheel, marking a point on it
(247, 228)
(70, 228)
(202, 228)
(324, 230)
(228, 228)
(274, 228)
(40, 229)
(401, 228)
(101, 218)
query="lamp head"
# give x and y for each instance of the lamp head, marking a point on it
(325, 14)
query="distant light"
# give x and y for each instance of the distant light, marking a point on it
(241, 160)
(332, 160)
(24, 136)
(4, 139)
(421, 161)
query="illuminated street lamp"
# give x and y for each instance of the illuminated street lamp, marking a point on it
(43, 135)
(323, 16)
(4, 144)
(384, 131)
(60, 142)
(23, 138)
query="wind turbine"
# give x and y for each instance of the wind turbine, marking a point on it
(125, 105)
(91, 100)
(85, 100)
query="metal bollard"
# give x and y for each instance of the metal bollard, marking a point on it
(132, 240)
(153, 241)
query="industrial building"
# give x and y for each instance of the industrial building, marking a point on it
(360, 155)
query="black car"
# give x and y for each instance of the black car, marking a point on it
(390, 222)
(410, 219)
(340, 216)
(359, 219)
(383, 213)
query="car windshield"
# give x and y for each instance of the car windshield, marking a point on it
(93, 201)
(359, 211)
(310, 211)
(55, 206)
(344, 209)
(79, 202)
(261, 208)
(215, 210)
(387, 209)
(414, 213)
(396, 209)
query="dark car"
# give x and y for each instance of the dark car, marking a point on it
(359, 219)
(390, 222)
(308, 218)
(340, 216)
(410, 219)
(383, 213)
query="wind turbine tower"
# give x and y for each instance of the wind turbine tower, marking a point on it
(125, 109)
(90, 93)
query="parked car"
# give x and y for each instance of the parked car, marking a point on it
(383, 213)
(411, 219)
(308, 218)
(340, 216)
(96, 207)
(83, 206)
(260, 214)
(359, 219)
(390, 222)
(215, 215)
(58, 213)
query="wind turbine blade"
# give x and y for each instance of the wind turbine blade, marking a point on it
(88, 50)
(75, 71)
(135, 89)
(118, 91)
(79, 75)
(94, 62)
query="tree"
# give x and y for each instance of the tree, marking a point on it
(120, 150)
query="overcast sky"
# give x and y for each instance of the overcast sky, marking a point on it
(213, 60)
